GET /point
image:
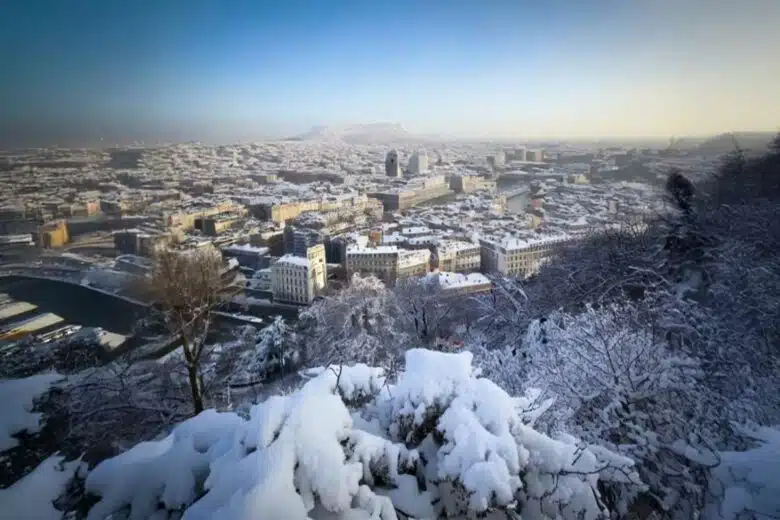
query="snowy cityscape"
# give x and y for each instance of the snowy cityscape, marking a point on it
(409, 260)
(335, 262)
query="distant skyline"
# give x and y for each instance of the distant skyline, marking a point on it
(225, 70)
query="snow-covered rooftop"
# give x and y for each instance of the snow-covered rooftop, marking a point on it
(292, 260)
(246, 248)
(515, 243)
(448, 280)
(357, 249)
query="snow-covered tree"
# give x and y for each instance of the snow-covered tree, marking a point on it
(274, 351)
(350, 445)
(357, 324)
(424, 308)
(616, 381)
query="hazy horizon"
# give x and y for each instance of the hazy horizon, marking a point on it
(174, 71)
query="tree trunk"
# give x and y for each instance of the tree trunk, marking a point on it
(196, 389)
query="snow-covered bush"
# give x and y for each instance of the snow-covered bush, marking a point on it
(615, 381)
(275, 351)
(350, 445)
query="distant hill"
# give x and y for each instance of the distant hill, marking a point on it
(372, 133)
(728, 142)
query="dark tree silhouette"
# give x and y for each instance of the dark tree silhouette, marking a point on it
(681, 189)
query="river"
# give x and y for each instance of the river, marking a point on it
(76, 304)
(518, 203)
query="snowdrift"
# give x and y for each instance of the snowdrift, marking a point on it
(349, 445)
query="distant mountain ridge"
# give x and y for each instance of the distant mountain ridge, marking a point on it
(369, 133)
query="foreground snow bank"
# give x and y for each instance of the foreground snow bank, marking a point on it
(350, 446)
(17, 397)
(749, 481)
(32, 497)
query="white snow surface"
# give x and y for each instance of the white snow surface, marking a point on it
(323, 453)
(750, 480)
(32, 497)
(17, 396)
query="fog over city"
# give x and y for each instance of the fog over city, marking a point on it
(410, 260)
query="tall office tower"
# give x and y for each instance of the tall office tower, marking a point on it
(392, 168)
(418, 163)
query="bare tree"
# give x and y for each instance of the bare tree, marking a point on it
(186, 287)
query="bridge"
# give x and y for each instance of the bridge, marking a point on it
(66, 275)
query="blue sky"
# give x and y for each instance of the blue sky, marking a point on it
(209, 69)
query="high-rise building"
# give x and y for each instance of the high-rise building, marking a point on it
(418, 163)
(392, 168)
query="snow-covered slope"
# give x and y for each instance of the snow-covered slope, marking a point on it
(16, 415)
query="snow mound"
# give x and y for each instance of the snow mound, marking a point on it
(750, 480)
(349, 445)
(17, 396)
(32, 497)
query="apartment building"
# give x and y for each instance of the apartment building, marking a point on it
(413, 193)
(297, 279)
(459, 256)
(217, 224)
(518, 256)
(388, 263)
(141, 243)
(471, 183)
(186, 218)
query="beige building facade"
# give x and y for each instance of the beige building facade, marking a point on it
(388, 263)
(297, 279)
